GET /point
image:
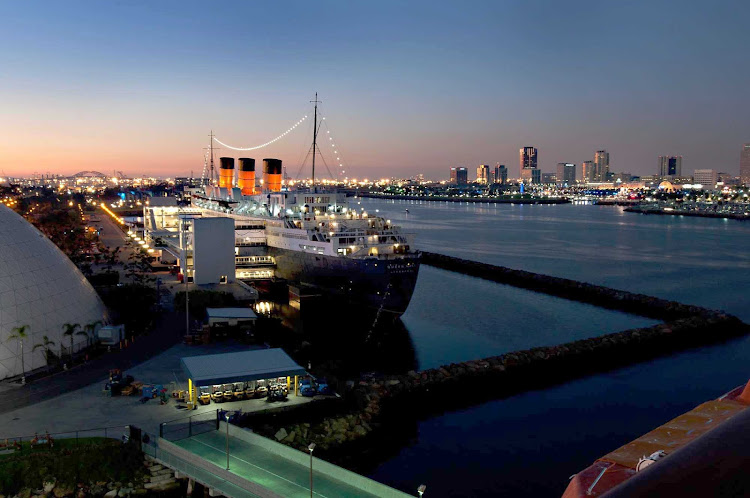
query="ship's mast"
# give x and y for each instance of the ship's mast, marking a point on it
(211, 150)
(315, 138)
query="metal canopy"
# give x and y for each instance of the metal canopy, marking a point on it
(239, 313)
(237, 367)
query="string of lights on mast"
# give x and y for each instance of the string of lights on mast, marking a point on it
(265, 144)
(331, 143)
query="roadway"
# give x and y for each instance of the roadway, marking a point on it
(273, 472)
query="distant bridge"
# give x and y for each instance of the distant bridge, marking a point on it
(89, 174)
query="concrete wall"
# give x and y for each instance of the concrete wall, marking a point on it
(331, 470)
(213, 252)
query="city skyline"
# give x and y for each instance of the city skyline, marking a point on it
(137, 87)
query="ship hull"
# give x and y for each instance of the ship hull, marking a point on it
(378, 284)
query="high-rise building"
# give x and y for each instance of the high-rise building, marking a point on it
(459, 176)
(601, 162)
(528, 162)
(745, 164)
(566, 174)
(670, 165)
(588, 171)
(549, 178)
(706, 177)
(501, 174)
(483, 174)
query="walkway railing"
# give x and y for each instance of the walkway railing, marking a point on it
(185, 427)
(208, 474)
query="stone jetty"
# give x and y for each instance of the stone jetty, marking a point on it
(605, 297)
(462, 384)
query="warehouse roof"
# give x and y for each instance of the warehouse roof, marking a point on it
(237, 367)
(245, 313)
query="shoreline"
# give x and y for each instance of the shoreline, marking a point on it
(476, 200)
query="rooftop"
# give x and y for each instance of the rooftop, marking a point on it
(240, 366)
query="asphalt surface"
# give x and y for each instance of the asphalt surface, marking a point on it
(168, 331)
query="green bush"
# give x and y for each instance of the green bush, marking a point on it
(70, 463)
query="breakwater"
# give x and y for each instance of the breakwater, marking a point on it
(375, 405)
(375, 402)
(605, 297)
(701, 213)
(475, 200)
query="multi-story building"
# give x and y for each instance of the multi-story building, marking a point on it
(622, 177)
(670, 166)
(745, 164)
(483, 174)
(706, 177)
(566, 174)
(588, 171)
(459, 176)
(528, 165)
(601, 162)
(549, 178)
(501, 174)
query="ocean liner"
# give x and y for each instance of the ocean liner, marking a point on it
(311, 236)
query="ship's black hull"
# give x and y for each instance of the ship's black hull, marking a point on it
(380, 285)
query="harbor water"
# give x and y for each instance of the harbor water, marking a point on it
(529, 444)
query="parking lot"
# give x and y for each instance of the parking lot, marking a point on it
(88, 407)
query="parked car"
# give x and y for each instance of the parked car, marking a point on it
(323, 387)
(276, 394)
(307, 388)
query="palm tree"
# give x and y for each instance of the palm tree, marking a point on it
(46, 344)
(19, 334)
(69, 330)
(89, 330)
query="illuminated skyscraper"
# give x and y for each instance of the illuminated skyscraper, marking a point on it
(566, 174)
(670, 166)
(588, 171)
(459, 176)
(601, 162)
(501, 174)
(745, 164)
(528, 164)
(483, 174)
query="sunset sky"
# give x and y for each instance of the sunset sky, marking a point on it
(407, 87)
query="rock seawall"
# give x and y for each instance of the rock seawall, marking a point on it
(606, 297)
(463, 384)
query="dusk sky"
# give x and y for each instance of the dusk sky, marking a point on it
(407, 87)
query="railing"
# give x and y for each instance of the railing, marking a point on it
(182, 428)
(81, 436)
(257, 260)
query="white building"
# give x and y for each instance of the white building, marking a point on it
(40, 288)
(706, 177)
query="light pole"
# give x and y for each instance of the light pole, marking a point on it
(421, 489)
(311, 448)
(226, 416)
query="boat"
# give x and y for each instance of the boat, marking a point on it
(309, 236)
(652, 450)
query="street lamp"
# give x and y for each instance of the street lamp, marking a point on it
(421, 489)
(226, 416)
(311, 448)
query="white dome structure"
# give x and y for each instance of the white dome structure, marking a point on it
(41, 288)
